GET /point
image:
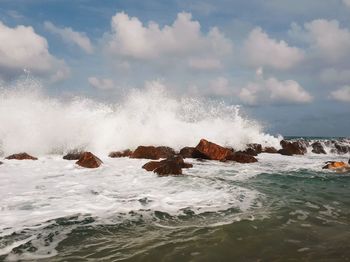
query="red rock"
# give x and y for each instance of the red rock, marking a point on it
(292, 148)
(21, 156)
(150, 166)
(270, 150)
(169, 168)
(151, 152)
(89, 160)
(242, 158)
(116, 154)
(212, 151)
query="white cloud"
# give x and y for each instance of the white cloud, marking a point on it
(346, 2)
(70, 36)
(273, 91)
(21, 48)
(101, 83)
(326, 38)
(261, 50)
(342, 94)
(181, 40)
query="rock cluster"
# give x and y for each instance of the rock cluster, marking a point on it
(170, 166)
(151, 152)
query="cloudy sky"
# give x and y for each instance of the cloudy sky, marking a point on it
(287, 62)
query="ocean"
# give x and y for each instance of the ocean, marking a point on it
(282, 208)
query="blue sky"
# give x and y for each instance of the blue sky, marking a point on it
(286, 62)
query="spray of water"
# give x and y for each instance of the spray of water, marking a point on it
(33, 122)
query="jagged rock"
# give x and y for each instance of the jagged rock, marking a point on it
(73, 156)
(211, 151)
(292, 148)
(341, 149)
(317, 148)
(249, 151)
(22, 156)
(242, 158)
(339, 167)
(187, 152)
(151, 152)
(89, 160)
(116, 154)
(270, 150)
(256, 147)
(169, 166)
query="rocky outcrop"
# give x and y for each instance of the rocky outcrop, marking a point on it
(22, 156)
(188, 152)
(241, 158)
(317, 148)
(73, 156)
(256, 147)
(117, 154)
(339, 167)
(211, 151)
(89, 160)
(151, 152)
(169, 166)
(292, 148)
(341, 149)
(270, 150)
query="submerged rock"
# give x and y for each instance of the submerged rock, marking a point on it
(242, 158)
(317, 148)
(73, 156)
(22, 156)
(169, 166)
(151, 152)
(116, 154)
(211, 151)
(338, 166)
(292, 148)
(89, 160)
(270, 150)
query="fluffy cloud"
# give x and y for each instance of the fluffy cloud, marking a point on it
(181, 40)
(342, 94)
(103, 83)
(273, 91)
(261, 50)
(21, 48)
(326, 38)
(71, 37)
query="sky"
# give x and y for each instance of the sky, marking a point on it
(286, 62)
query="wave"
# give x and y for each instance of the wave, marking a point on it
(36, 123)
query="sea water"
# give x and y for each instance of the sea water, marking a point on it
(282, 208)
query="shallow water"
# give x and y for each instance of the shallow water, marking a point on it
(279, 209)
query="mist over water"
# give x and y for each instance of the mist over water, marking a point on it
(33, 122)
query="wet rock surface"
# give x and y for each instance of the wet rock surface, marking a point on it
(211, 151)
(151, 152)
(21, 156)
(89, 160)
(117, 154)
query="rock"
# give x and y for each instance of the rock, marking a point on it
(116, 154)
(169, 166)
(151, 152)
(73, 156)
(188, 152)
(339, 167)
(242, 158)
(341, 149)
(292, 148)
(256, 147)
(89, 160)
(21, 156)
(211, 151)
(1, 163)
(317, 148)
(249, 151)
(270, 150)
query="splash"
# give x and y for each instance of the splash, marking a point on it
(35, 123)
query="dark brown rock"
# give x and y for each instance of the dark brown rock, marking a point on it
(292, 148)
(249, 151)
(151, 152)
(116, 154)
(242, 158)
(1, 163)
(256, 147)
(212, 151)
(317, 148)
(73, 156)
(188, 152)
(341, 149)
(169, 166)
(89, 160)
(21, 156)
(270, 150)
